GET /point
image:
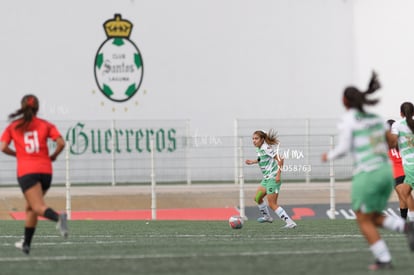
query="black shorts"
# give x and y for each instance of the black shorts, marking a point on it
(399, 180)
(29, 180)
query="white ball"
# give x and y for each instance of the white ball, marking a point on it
(236, 222)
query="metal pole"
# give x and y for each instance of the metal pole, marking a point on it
(113, 153)
(332, 183)
(236, 159)
(68, 196)
(241, 180)
(187, 152)
(153, 184)
(307, 134)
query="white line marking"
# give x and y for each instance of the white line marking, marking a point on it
(171, 256)
(131, 239)
(191, 255)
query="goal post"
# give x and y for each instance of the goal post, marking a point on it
(67, 183)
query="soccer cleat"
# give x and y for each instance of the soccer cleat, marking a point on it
(22, 246)
(265, 219)
(380, 265)
(409, 230)
(290, 225)
(62, 225)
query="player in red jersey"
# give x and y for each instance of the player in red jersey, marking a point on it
(399, 175)
(29, 135)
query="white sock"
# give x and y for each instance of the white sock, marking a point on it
(394, 223)
(264, 209)
(283, 215)
(410, 216)
(380, 251)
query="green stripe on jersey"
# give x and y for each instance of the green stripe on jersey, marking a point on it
(369, 146)
(368, 131)
(406, 143)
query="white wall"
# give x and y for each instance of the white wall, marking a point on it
(208, 61)
(385, 42)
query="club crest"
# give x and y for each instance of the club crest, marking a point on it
(118, 63)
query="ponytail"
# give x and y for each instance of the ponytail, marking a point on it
(373, 84)
(272, 137)
(357, 99)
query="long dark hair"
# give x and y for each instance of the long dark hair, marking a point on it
(407, 110)
(357, 99)
(28, 110)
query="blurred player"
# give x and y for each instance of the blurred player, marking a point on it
(401, 135)
(271, 165)
(29, 135)
(398, 170)
(364, 134)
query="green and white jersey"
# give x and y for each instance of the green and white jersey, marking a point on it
(405, 141)
(363, 134)
(267, 163)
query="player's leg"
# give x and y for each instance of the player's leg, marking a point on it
(262, 205)
(35, 198)
(26, 183)
(405, 191)
(407, 188)
(367, 226)
(370, 193)
(29, 230)
(401, 197)
(273, 190)
(410, 201)
(61, 225)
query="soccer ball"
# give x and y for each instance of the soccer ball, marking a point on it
(236, 222)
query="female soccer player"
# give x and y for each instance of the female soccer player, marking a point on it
(364, 134)
(271, 164)
(399, 175)
(34, 165)
(401, 135)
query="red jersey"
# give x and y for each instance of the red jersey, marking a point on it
(396, 160)
(32, 152)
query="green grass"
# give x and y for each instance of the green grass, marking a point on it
(182, 247)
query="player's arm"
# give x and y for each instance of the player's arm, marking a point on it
(391, 139)
(5, 148)
(252, 161)
(392, 136)
(60, 145)
(280, 162)
(344, 144)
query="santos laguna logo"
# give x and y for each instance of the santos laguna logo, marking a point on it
(118, 62)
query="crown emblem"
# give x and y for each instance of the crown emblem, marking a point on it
(117, 27)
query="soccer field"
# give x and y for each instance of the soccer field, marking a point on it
(195, 247)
